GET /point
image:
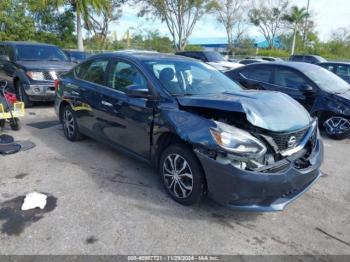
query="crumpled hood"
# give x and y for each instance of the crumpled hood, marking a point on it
(47, 65)
(272, 111)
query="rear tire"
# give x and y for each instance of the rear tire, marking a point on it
(69, 124)
(15, 124)
(182, 174)
(22, 95)
(2, 124)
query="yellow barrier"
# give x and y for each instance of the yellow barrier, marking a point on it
(18, 111)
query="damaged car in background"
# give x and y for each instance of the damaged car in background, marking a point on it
(324, 94)
(252, 150)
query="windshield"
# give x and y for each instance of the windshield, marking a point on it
(214, 57)
(326, 80)
(190, 78)
(39, 53)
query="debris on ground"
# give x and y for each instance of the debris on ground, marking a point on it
(6, 139)
(7, 149)
(14, 221)
(34, 200)
(13, 147)
(25, 144)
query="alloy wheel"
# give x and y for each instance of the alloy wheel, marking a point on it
(68, 123)
(336, 125)
(178, 176)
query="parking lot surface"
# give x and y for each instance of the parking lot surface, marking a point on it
(103, 202)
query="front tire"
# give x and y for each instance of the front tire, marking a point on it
(182, 174)
(22, 95)
(336, 127)
(69, 124)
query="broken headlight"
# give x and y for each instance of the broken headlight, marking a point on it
(237, 141)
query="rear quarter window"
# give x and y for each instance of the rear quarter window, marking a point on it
(92, 71)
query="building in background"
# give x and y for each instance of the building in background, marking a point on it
(219, 44)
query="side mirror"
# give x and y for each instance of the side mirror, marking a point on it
(306, 89)
(137, 91)
(4, 58)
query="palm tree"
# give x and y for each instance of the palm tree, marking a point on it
(81, 9)
(296, 18)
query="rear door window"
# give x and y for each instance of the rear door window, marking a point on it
(288, 78)
(260, 74)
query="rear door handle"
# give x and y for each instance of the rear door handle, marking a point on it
(105, 103)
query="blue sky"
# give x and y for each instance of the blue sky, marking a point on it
(328, 15)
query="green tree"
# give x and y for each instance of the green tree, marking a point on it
(52, 25)
(230, 13)
(15, 23)
(296, 18)
(81, 9)
(180, 16)
(268, 17)
(99, 22)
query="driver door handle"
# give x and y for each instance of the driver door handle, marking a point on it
(105, 103)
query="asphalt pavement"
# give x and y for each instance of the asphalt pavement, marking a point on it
(104, 202)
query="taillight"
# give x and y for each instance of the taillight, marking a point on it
(56, 85)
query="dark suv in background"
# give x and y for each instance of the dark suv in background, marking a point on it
(31, 69)
(76, 56)
(321, 92)
(311, 59)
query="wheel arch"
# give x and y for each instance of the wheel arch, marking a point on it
(62, 105)
(167, 139)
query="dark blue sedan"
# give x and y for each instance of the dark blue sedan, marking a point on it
(251, 150)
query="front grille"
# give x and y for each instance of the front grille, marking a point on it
(50, 75)
(283, 141)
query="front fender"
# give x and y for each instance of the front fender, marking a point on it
(327, 103)
(189, 127)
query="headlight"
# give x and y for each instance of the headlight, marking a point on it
(36, 75)
(237, 141)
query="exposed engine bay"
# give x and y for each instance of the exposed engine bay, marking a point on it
(282, 148)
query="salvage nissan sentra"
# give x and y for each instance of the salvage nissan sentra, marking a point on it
(253, 150)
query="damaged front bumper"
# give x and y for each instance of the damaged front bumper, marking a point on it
(268, 190)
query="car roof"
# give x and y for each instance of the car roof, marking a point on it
(335, 63)
(25, 43)
(142, 56)
(300, 66)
